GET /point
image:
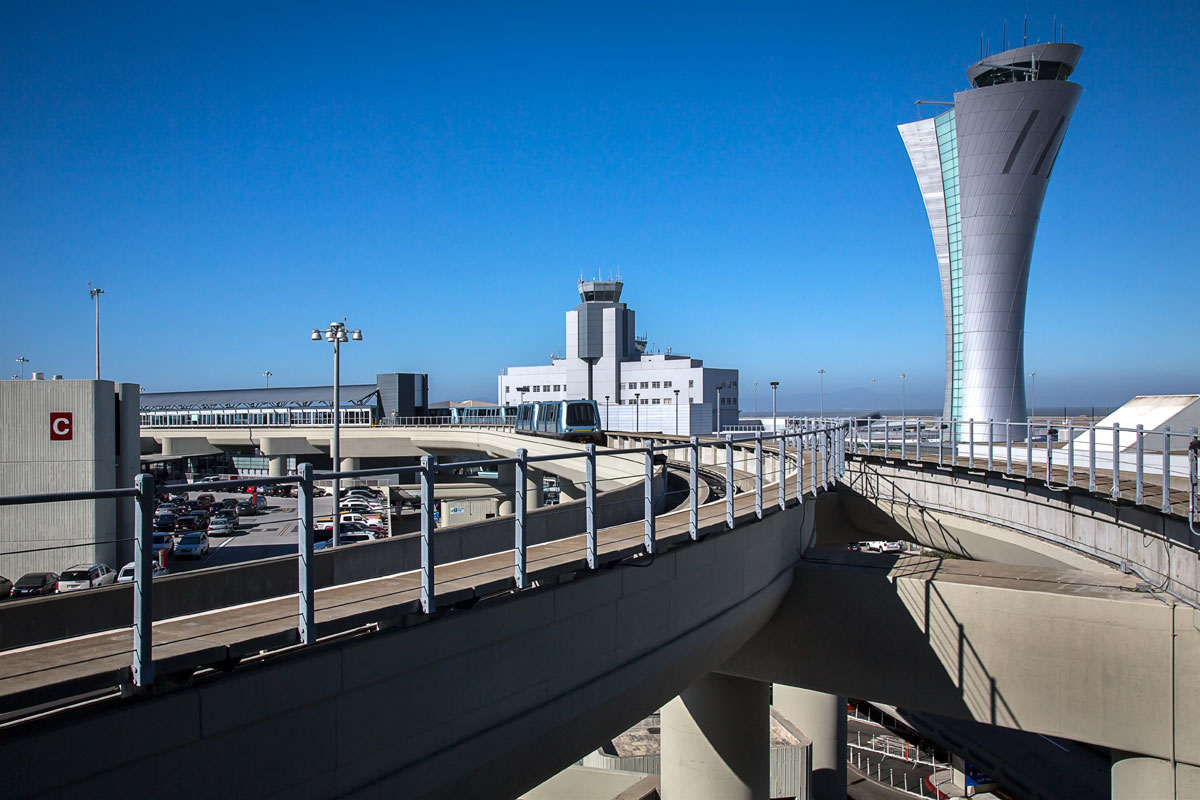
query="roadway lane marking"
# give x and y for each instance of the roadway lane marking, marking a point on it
(287, 528)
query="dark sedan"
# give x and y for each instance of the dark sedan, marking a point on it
(34, 583)
(5, 587)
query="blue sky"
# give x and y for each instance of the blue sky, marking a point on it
(234, 175)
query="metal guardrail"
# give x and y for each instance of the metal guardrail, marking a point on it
(1016, 448)
(825, 444)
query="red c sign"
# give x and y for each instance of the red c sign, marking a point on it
(60, 426)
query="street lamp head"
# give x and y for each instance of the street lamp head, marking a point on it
(356, 335)
(774, 384)
(316, 337)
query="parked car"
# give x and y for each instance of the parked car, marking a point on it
(210, 479)
(278, 490)
(165, 523)
(86, 576)
(354, 537)
(193, 521)
(35, 583)
(192, 545)
(205, 500)
(361, 506)
(126, 573)
(164, 541)
(246, 509)
(5, 587)
(222, 525)
(166, 508)
(178, 496)
(229, 502)
(320, 491)
(363, 490)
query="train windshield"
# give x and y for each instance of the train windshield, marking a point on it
(580, 415)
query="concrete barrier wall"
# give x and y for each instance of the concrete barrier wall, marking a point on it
(62, 616)
(485, 703)
(989, 517)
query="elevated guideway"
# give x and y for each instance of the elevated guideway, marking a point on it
(522, 669)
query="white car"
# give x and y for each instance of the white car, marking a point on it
(360, 506)
(85, 576)
(194, 544)
(126, 573)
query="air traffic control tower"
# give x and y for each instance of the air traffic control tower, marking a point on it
(983, 167)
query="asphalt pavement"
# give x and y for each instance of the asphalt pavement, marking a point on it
(271, 533)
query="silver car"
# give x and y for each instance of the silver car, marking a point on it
(85, 576)
(192, 545)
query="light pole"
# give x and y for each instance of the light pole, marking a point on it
(756, 398)
(774, 387)
(95, 294)
(903, 377)
(637, 411)
(337, 333)
(821, 373)
(22, 360)
(606, 412)
(268, 375)
(874, 401)
(718, 409)
(1032, 393)
(676, 412)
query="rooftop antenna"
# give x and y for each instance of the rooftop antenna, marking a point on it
(1025, 32)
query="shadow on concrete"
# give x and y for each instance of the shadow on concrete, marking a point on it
(874, 626)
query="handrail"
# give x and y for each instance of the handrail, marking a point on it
(829, 439)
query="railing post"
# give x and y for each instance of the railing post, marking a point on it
(917, 430)
(520, 573)
(306, 588)
(903, 437)
(870, 437)
(591, 506)
(812, 465)
(1166, 470)
(758, 475)
(649, 493)
(694, 489)
(887, 439)
(991, 434)
(729, 519)
(955, 426)
(1008, 447)
(1139, 450)
(971, 444)
(823, 443)
(143, 557)
(1193, 474)
(1091, 455)
(1028, 448)
(783, 470)
(428, 596)
(942, 443)
(1070, 453)
(1116, 460)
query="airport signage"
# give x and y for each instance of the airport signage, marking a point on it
(61, 426)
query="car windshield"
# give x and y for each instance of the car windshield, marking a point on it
(75, 575)
(191, 538)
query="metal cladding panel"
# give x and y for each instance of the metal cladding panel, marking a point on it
(920, 139)
(590, 325)
(1008, 139)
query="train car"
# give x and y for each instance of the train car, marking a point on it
(484, 415)
(573, 420)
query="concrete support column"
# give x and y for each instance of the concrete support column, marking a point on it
(822, 718)
(277, 466)
(533, 489)
(350, 463)
(1136, 776)
(716, 741)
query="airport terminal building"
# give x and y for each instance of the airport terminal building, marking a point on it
(983, 167)
(607, 361)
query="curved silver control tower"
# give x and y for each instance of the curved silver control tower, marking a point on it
(983, 167)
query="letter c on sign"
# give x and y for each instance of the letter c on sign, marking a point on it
(60, 426)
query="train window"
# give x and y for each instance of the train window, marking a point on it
(581, 414)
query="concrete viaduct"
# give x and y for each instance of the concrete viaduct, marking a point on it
(1077, 619)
